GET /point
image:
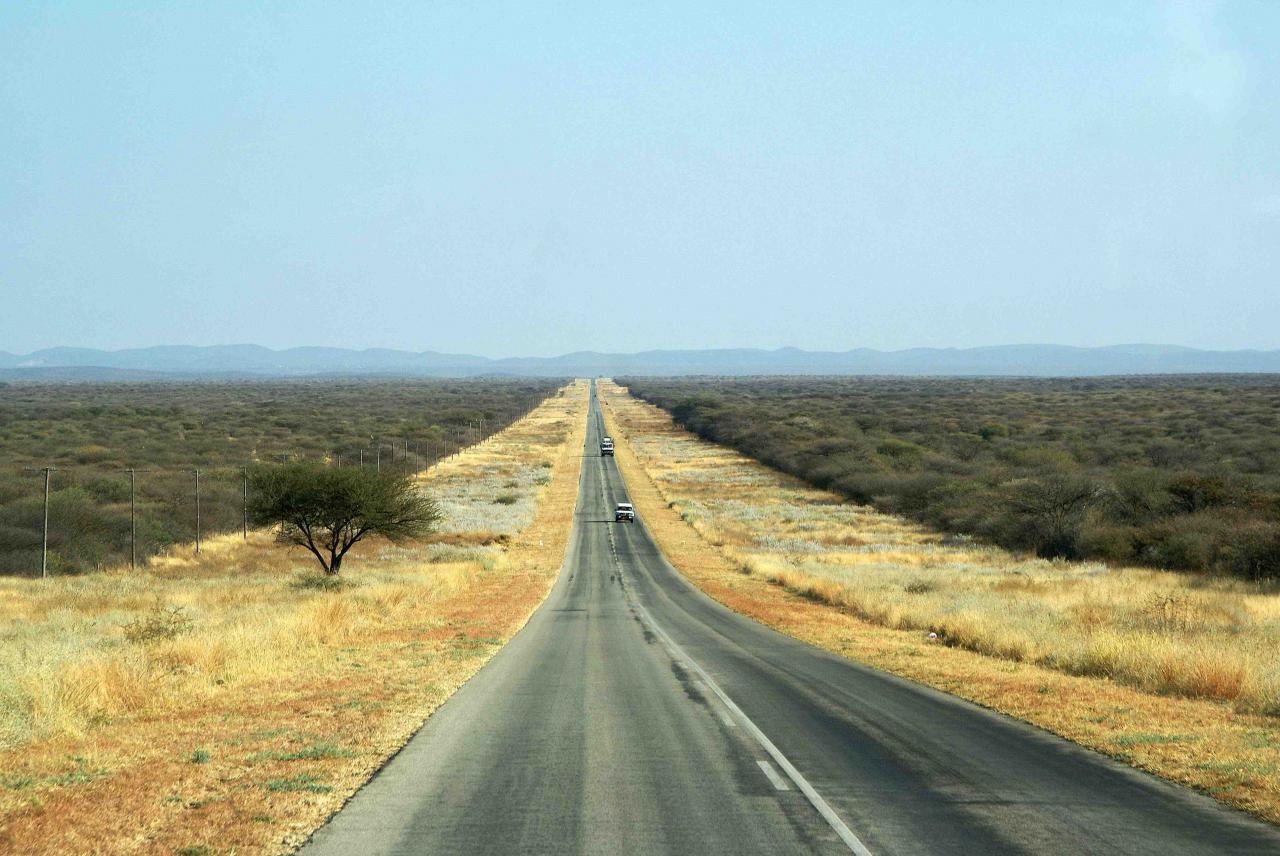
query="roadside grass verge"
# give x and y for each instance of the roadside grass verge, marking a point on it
(1173, 673)
(232, 701)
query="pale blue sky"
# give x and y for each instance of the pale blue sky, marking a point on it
(534, 178)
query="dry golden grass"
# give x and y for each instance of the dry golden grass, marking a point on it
(226, 703)
(1174, 674)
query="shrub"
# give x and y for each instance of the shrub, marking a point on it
(321, 582)
(160, 622)
(1252, 552)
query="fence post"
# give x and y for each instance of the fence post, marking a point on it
(44, 545)
(197, 472)
(245, 507)
(133, 519)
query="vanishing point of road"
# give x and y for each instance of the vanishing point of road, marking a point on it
(635, 715)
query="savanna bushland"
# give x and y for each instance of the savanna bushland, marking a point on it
(1178, 472)
(92, 433)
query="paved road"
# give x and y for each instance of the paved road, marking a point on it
(635, 715)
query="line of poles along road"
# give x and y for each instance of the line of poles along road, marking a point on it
(419, 455)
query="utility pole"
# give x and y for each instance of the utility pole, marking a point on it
(362, 459)
(338, 455)
(44, 547)
(379, 457)
(133, 519)
(245, 518)
(197, 472)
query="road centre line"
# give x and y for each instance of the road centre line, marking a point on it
(815, 799)
(779, 783)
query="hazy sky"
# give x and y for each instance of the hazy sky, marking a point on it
(534, 178)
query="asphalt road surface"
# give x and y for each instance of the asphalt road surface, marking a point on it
(635, 715)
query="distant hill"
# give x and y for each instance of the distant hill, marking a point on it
(257, 361)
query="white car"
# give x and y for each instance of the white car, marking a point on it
(624, 511)
(606, 446)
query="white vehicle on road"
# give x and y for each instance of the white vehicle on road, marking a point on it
(606, 446)
(624, 511)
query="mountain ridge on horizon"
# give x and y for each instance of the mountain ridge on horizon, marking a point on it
(250, 360)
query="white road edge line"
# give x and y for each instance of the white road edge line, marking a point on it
(779, 783)
(815, 799)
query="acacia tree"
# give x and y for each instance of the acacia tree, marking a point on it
(329, 510)
(1052, 508)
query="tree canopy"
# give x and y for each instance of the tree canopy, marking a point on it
(329, 510)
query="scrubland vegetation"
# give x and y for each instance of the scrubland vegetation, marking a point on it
(231, 700)
(1178, 472)
(92, 433)
(1205, 646)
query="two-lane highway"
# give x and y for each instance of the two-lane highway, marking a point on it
(635, 715)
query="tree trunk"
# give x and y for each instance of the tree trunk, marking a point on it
(334, 564)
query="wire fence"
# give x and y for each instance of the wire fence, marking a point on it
(73, 519)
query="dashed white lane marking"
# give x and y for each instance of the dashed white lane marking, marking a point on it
(778, 782)
(802, 784)
(815, 799)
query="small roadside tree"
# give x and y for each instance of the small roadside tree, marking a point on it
(329, 510)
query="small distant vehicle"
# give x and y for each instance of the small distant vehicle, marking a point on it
(624, 511)
(606, 446)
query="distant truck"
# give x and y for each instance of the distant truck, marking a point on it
(624, 511)
(606, 446)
